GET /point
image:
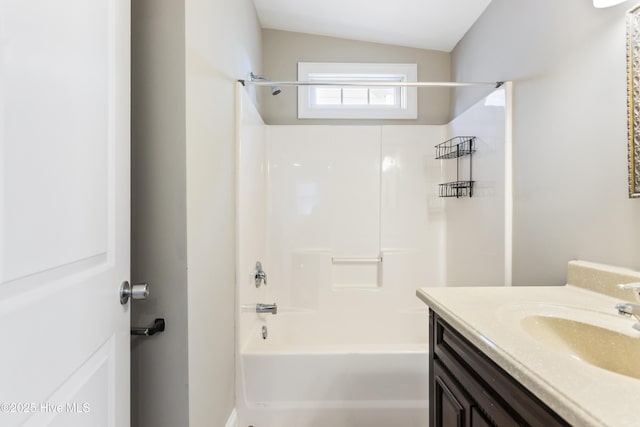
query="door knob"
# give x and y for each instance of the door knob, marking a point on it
(137, 291)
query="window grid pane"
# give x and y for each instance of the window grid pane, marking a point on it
(355, 96)
(373, 96)
(383, 96)
(328, 96)
(358, 101)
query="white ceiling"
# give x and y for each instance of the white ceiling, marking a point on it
(425, 24)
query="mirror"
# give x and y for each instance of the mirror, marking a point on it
(633, 99)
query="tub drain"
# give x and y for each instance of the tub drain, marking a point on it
(264, 332)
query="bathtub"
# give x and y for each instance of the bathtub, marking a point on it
(340, 372)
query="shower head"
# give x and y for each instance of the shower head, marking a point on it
(275, 90)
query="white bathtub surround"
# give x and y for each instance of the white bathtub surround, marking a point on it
(323, 195)
(353, 225)
(250, 211)
(356, 192)
(477, 235)
(371, 191)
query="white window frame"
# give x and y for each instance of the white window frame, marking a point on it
(407, 107)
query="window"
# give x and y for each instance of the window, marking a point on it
(357, 102)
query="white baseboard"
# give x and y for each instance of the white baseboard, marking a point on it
(232, 421)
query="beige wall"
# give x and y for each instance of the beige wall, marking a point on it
(186, 59)
(159, 382)
(222, 45)
(567, 60)
(283, 50)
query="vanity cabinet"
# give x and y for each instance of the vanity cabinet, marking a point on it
(466, 388)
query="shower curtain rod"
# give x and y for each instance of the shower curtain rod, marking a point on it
(387, 84)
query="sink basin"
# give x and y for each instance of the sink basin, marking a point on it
(598, 346)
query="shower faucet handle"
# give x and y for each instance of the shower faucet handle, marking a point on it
(259, 275)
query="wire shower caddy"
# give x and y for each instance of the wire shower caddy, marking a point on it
(455, 148)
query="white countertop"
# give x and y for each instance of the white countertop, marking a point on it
(583, 394)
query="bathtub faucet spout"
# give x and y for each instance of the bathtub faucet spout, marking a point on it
(267, 308)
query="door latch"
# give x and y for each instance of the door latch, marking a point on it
(158, 326)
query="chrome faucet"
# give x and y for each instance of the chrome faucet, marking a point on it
(267, 308)
(629, 309)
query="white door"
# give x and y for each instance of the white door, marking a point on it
(64, 212)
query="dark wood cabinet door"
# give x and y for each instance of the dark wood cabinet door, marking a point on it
(452, 407)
